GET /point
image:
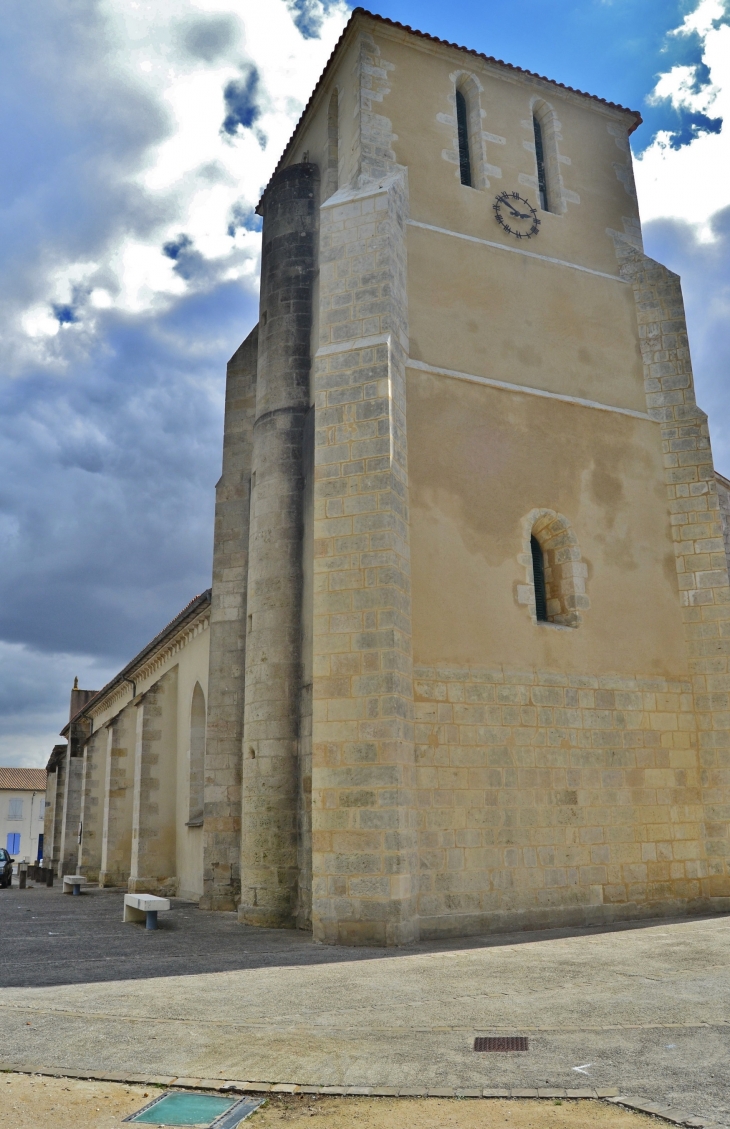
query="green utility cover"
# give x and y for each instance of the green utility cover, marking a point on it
(184, 1109)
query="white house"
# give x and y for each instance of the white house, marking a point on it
(22, 808)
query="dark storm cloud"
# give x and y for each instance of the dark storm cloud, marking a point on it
(110, 432)
(107, 485)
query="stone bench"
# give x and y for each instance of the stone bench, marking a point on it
(72, 883)
(144, 907)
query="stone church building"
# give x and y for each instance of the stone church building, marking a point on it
(464, 663)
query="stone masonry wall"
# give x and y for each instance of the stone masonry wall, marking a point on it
(68, 831)
(49, 818)
(723, 497)
(364, 845)
(226, 681)
(702, 565)
(270, 770)
(546, 798)
(153, 819)
(92, 806)
(116, 852)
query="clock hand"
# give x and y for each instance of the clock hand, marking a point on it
(515, 213)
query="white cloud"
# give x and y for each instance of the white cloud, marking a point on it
(177, 57)
(702, 19)
(680, 86)
(688, 183)
(114, 351)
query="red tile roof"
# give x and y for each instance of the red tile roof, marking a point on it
(23, 779)
(457, 47)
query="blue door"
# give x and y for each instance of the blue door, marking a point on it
(13, 843)
(40, 847)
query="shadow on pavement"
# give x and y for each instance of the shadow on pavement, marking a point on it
(58, 939)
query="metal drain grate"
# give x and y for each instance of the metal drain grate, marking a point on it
(501, 1043)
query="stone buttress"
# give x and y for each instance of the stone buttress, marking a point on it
(269, 839)
(222, 822)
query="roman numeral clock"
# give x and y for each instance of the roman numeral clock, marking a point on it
(516, 215)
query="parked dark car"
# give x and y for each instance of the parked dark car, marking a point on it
(6, 868)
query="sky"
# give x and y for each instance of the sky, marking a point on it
(136, 138)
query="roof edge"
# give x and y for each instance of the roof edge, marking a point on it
(189, 612)
(18, 778)
(56, 753)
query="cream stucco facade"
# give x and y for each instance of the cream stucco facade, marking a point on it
(22, 810)
(401, 740)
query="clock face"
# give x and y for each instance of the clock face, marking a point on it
(516, 215)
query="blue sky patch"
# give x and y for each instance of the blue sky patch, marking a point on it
(241, 105)
(308, 16)
(243, 216)
(64, 314)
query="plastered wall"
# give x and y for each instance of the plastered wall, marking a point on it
(480, 460)
(137, 776)
(596, 193)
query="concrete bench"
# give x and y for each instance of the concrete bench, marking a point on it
(144, 907)
(72, 883)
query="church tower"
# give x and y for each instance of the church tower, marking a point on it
(471, 617)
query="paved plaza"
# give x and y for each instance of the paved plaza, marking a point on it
(643, 1008)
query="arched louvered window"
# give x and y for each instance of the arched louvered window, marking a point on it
(462, 124)
(541, 176)
(538, 573)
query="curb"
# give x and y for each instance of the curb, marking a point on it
(239, 1086)
(236, 1085)
(665, 1113)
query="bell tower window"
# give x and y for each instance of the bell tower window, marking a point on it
(541, 177)
(462, 124)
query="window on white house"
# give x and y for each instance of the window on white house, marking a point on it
(15, 808)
